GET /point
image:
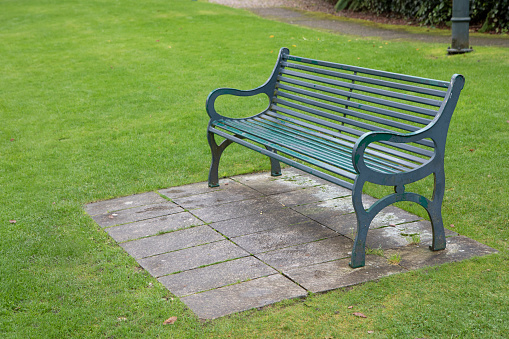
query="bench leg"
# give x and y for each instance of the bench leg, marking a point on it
(275, 167)
(435, 212)
(363, 220)
(216, 151)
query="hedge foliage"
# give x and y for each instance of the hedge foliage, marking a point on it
(491, 15)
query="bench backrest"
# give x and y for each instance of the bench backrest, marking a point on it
(354, 100)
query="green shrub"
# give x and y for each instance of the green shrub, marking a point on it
(492, 15)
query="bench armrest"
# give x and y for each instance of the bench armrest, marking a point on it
(436, 131)
(267, 88)
(387, 179)
(211, 99)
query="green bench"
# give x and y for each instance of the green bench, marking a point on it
(348, 125)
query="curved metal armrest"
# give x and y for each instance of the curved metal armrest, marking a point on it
(384, 178)
(211, 99)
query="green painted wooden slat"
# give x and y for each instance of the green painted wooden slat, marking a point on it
(314, 147)
(338, 118)
(340, 142)
(357, 133)
(372, 81)
(366, 89)
(384, 74)
(366, 98)
(323, 143)
(360, 106)
(285, 150)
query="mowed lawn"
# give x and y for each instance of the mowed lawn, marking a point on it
(102, 99)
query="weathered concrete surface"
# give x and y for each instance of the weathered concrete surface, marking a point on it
(218, 275)
(268, 239)
(240, 297)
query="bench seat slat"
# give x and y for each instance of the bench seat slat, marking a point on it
(294, 143)
(352, 131)
(313, 148)
(282, 149)
(386, 154)
(396, 76)
(377, 159)
(356, 104)
(372, 81)
(363, 97)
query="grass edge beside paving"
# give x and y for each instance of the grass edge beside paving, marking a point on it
(87, 96)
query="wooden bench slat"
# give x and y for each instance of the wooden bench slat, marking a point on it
(282, 149)
(309, 149)
(372, 81)
(396, 76)
(366, 98)
(349, 112)
(323, 141)
(355, 104)
(372, 90)
(293, 163)
(352, 140)
(387, 153)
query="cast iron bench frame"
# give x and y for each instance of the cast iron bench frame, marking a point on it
(355, 124)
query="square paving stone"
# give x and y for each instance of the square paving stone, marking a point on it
(458, 248)
(308, 254)
(136, 214)
(171, 241)
(336, 274)
(153, 226)
(312, 194)
(283, 237)
(103, 207)
(217, 275)
(196, 188)
(401, 235)
(191, 258)
(237, 209)
(244, 296)
(265, 184)
(217, 197)
(258, 222)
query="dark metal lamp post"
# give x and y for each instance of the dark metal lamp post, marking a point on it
(460, 23)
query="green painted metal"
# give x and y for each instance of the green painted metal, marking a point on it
(372, 136)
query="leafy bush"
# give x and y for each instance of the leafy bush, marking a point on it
(492, 15)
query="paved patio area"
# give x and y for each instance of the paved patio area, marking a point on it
(257, 240)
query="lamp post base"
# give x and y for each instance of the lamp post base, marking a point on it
(458, 50)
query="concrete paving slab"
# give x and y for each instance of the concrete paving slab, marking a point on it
(241, 297)
(302, 240)
(171, 241)
(290, 180)
(401, 235)
(153, 226)
(136, 214)
(191, 258)
(283, 237)
(234, 192)
(237, 209)
(117, 204)
(311, 195)
(308, 254)
(458, 248)
(258, 222)
(336, 274)
(196, 188)
(218, 275)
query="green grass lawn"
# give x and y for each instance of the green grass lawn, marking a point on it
(105, 98)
